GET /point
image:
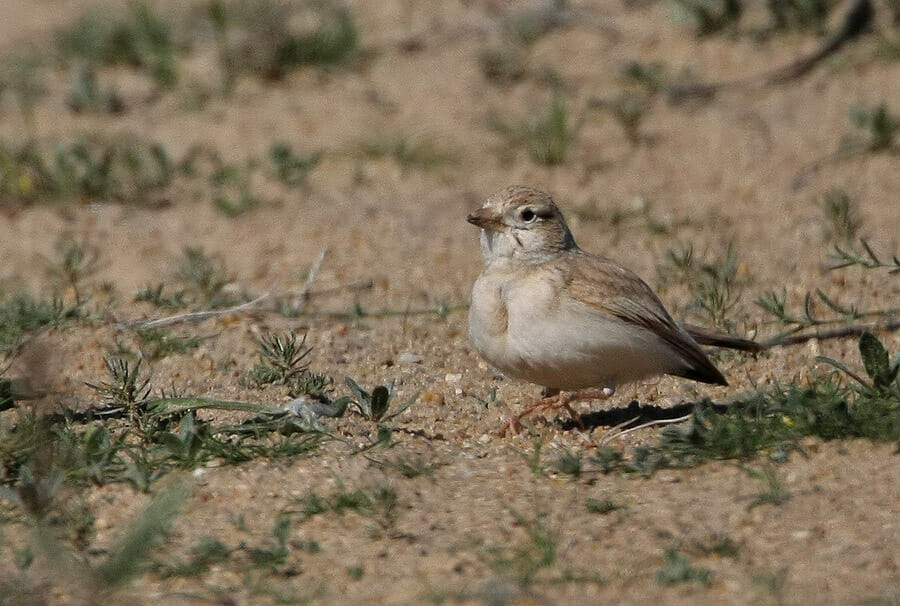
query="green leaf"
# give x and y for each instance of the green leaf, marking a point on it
(876, 361)
(173, 444)
(381, 397)
(403, 408)
(96, 440)
(6, 394)
(843, 368)
(362, 396)
(146, 529)
(339, 406)
(169, 406)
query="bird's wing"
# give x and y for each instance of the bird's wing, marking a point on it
(607, 287)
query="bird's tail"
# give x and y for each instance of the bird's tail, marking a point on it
(704, 336)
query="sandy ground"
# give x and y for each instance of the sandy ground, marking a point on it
(713, 173)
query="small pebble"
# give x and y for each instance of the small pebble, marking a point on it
(408, 357)
(432, 397)
(200, 476)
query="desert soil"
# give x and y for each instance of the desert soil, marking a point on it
(712, 172)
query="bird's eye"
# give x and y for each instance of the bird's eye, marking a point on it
(527, 215)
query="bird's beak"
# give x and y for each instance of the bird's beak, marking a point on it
(485, 219)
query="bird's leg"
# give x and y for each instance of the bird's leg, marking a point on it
(556, 399)
(567, 397)
(513, 424)
(564, 398)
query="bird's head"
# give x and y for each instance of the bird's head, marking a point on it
(521, 223)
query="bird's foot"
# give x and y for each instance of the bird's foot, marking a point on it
(559, 400)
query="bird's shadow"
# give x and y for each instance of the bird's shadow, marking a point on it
(636, 414)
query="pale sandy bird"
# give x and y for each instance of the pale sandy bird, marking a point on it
(547, 312)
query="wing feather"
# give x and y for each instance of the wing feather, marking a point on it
(609, 288)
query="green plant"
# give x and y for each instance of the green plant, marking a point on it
(35, 456)
(775, 420)
(607, 459)
(880, 127)
(282, 359)
(602, 507)
(715, 284)
(775, 304)
(533, 459)
(629, 110)
(651, 77)
(504, 64)
(204, 279)
(189, 444)
(877, 130)
(547, 137)
(219, 15)
(7, 394)
(313, 504)
(374, 405)
(149, 527)
(234, 188)
(87, 95)
(204, 276)
(678, 569)
(843, 222)
(156, 343)
(378, 502)
(260, 37)
(273, 556)
(718, 292)
(506, 60)
(22, 314)
(677, 267)
(141, 39)
(867, 259)
(717, 544)
(100, 452)
(774, 582)
(127, 386)
(799, 14)
(711, 16)
(206, 553)
(332, 42)
(414, 467)
(568, 463)
(124, 169)
(292, 169)
(524, 561)
(21, 75)
(773, 492)
(882, 372)
(74, 264)
(135, 438)
(525, 27)
(409, 152)
(155, 295)
(46, 461)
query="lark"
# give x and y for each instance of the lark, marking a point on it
(580, 325)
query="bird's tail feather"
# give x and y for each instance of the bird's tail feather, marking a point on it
(704, 336)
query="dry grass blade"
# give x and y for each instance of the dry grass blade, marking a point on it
(614, 433)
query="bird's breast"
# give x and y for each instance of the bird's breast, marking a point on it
(530, 329)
